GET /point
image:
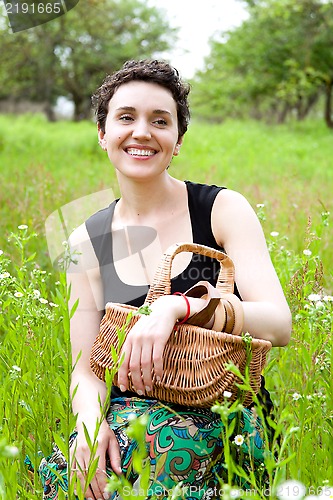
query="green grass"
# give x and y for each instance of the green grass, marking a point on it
(44, 166)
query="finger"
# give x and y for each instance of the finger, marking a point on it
(88, 493)
(79, 474)
(124, 368)
(95, 489)
(135, 369)
(146, 366)
(157, 356)
(101, 475)
(98, 483)
(114, 456)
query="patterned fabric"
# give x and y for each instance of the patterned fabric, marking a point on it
(183, 444)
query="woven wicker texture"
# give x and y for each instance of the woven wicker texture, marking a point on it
(194, 357)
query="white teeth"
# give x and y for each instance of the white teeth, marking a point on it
(140, 152)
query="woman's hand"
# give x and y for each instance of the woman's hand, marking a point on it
(106, 445)
(145, 342)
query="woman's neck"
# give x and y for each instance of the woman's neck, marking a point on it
(142, 201)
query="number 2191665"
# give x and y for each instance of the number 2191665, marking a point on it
(33, 8)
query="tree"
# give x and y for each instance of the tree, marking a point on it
(278, 61)
(70, 55)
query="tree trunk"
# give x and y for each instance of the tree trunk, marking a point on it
(49, 112)
(298, 107)
(281, 118)
(82, 108)
(305, 106)
(328, 104)
(312, 100)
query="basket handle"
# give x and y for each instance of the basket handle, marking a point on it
(161, 284)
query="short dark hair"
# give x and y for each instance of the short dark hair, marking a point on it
(150, 70)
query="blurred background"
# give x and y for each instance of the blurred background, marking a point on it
(265, 59)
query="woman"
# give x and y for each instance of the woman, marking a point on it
(142, 116)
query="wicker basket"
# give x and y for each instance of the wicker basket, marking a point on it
(194, 357)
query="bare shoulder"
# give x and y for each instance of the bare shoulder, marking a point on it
(81, 250)
(78, 235)
(232, 216)
(83, 273)
(230, 200)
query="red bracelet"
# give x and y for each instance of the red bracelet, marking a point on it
(188, 312)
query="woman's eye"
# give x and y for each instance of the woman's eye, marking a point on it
(160, 122)
(125, 118)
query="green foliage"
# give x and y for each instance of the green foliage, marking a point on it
(71, 55)
(306, 376)
(34, 366)
(277, 62)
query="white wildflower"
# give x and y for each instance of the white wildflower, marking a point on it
(328, 298)
(52, 304)
(43, 301)
(4, 275)
(291, 489)
(1, 252)
(314, 297)
(275, 234)
(260, 205)
(296, 396)
(22, 227)
(16, 368)
(239, 440)
(36, 293)
(227, 394)
(307, 252)
(319, 304)
(18, 294)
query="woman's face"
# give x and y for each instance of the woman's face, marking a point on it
(141, 130)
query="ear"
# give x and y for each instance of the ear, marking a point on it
(177, 147)
(101, 138)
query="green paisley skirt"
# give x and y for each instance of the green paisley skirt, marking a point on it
(183, 445)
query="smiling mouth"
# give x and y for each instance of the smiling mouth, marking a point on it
(140, 152)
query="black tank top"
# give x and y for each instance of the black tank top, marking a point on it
(200, 202)
(201, 198)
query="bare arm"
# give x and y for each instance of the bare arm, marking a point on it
(84, 328)
(238, 230)
(88, 392)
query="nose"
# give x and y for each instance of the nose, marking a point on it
(141, 130)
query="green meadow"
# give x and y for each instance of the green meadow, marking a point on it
(285, 172)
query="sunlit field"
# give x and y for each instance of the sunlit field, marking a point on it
(285, 172)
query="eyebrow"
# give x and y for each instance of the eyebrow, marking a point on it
(155, 111)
